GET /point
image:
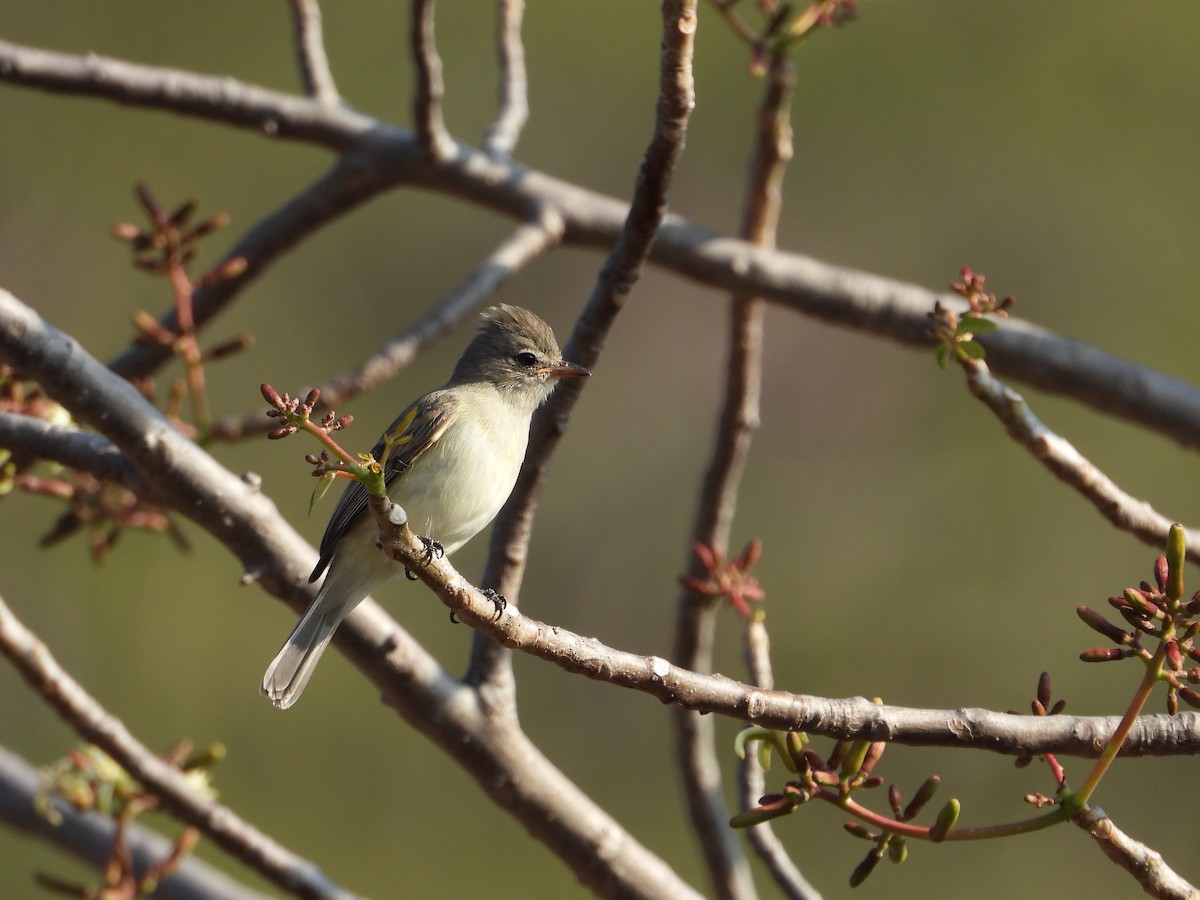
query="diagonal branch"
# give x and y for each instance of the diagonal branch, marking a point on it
(89, 836)
(508, 767)
(515, 252)
(240, 839)
(1123, 510)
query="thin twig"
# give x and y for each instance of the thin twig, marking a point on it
(1123, 510)
(95, 724)
(695, 625)
(427, 101)
(500, 138)
(514, 253)
(752, 781)
(621, 269)
(310, 52)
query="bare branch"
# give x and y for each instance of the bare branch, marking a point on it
(310, 52)
(518, 250)
(501, 137)
(695, 625)
(245, 842)
(387, 157)
(857, 717)
(89, 836)
(1123, 510)
(217, 98)
(432, 135)
(1146, 865)
(76, 449)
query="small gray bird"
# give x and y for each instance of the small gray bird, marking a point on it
(455, 457)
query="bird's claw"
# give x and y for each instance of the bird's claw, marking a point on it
(433, 549)
(498, 600)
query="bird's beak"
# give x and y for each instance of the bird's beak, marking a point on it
(562, 369)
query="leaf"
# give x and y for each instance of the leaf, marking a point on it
(976, 325)
(320, 490)
(973, 350)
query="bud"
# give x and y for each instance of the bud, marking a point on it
(1097, 622)
(1190, 697)
(126, 231)
(1044, 689)
(945, 821)
(864, 869)
(860, 831)
(281, 432)
(1101, 654)
(313, 396)
(924, 794)
(1174, 657)
(270, 395)
(895, 800)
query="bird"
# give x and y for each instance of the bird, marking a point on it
(455, 455)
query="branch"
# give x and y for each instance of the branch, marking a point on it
(83, 713)
(89, 836)
(846, 719)
(435, 140)
(235, 513)
(310, 52)
(695, 621)
(501, 136)
(387, 157)
(518, 250)
(752, 783)
(508, 767)
(1123, 510)
(1145, 864)
(217, 98)
(76, 449)
(510, 536)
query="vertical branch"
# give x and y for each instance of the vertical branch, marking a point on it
(501, 136)
(752, 783)
(310, 52)
(510, 537)
(427, 104)
(696, 622)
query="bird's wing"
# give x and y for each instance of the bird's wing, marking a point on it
(415, 430)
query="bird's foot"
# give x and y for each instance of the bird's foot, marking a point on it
(499, 602)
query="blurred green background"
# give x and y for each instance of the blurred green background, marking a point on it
(912, 551)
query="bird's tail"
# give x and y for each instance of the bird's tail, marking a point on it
(289, 672)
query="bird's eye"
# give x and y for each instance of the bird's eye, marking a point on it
(526, 359)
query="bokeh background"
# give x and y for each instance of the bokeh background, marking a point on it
(912, 551)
